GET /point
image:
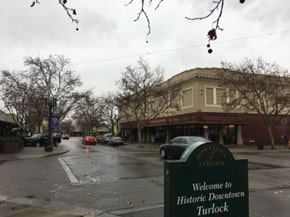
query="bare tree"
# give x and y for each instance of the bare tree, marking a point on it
(53, 78)
(66, 125)
(110, 109)
(262, 88)
(143, 95)
(89, 114)
(45, 78)
(22, 100)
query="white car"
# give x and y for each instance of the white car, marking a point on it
(106, 138)
(115, 140)
(65, 136)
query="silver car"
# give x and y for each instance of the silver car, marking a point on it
(115, 140)
(177, 146)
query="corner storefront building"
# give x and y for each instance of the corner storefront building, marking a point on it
(200, 113)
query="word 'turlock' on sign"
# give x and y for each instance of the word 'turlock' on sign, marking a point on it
(206, 181)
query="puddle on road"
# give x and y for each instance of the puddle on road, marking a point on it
(88, 149)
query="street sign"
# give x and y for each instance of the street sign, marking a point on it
(206, 181)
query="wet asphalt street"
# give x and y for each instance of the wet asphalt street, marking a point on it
(104, 178)
(129, 182)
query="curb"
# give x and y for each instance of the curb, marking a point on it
(17, 156)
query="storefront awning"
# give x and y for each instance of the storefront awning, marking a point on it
(204, 118)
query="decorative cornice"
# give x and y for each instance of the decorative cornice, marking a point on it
(196, 73)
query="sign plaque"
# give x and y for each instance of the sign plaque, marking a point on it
(206, 181)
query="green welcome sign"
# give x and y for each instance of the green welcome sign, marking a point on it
(206, 181)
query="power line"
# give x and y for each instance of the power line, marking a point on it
(181, 48)
(254, 36)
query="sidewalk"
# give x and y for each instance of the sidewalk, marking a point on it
(33, 152)
(280, 156)
(235, 149)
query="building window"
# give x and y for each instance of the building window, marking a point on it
(173, 103)
(209, 96)
(187, 98)
(215, 96)
(220, 96)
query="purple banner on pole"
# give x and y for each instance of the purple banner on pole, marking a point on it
(54, 123)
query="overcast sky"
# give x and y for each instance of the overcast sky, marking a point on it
(108, 39)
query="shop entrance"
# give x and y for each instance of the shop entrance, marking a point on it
(223, 134)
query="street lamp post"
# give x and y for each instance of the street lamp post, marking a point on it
(116, 125)
(51, 103)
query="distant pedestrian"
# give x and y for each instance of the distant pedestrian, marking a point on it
(285, 140)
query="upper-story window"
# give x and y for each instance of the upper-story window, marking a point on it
(187, 98)
(215, 96)
(221, 96)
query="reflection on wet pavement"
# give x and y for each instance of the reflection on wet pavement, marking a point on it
(100, 163)
(88, 149)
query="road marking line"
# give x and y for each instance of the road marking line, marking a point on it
(72, 178)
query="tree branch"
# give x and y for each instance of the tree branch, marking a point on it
(219, 5)
(144, 12)
(71, 12)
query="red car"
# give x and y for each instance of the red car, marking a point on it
(89, 140)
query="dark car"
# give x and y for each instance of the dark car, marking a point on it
(35, 140)
(40, 139)
(89, 140)
(115, 140)
(177, 146)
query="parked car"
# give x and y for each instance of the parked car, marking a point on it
(105, 138)
(57, 137)
(65, 136)
(39, 139)
(89, 140)
(177, 146)
(115, 140)
(35, 140)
